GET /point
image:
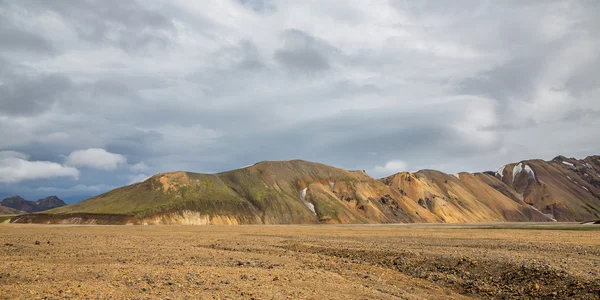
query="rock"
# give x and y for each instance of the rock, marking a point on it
(37, 242)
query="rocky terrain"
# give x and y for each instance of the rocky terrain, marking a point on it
(18, 205)
(523, 261)
(302, 192)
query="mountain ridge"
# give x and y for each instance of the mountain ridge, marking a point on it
(17, 204)
(304, 192)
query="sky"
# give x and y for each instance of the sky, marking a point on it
(99, 94)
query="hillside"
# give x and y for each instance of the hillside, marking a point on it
(10, 211)
(282, 192)
(566, 188)
(302, 192)
(464, 197)
(18, 205)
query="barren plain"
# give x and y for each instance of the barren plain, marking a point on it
(550, 261)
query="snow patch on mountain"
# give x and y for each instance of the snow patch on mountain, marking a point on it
(530, 172)
(500, 172)
(308, 204)
(572, 166)
(516, 170)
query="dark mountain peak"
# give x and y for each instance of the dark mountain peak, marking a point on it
(18, 203)
(21, 204)
(49, 203)
(13, 198)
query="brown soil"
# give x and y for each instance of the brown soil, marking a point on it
(299, 262)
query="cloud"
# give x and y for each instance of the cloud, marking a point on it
(302, 52)
(79, 189)
(391, 167)
(96, 158)
(189, 85)
(260, 6)
(137, 178)
(16, 167)
(139, 167)
(26, 96)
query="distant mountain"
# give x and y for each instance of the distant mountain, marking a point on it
(21, 205)
(302, 192)
(10, 211)
(48, 203)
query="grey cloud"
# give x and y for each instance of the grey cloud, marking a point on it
(15, 40)
(513, 79)
(579, 114)
(260, 6)
(126, 24)
(585, 80)
(251, 58)
(303, 52)
(204, 89)
(26, 96)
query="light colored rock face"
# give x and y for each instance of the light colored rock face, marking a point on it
(79, 221)
(187, 217)
(180, 218)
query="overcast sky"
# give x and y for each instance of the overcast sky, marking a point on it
(99, 94)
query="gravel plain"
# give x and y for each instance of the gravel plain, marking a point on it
(298, 262)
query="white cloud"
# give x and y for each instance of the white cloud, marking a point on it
(138, 178)
(139, 167)
(96, 158)
(15, 167)
(80, 189)
(390, 167)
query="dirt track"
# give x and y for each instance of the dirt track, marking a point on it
(312, 262)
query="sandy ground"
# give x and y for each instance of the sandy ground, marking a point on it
(296, 262)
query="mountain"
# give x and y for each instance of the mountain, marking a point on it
(20, 205)
(566, 188)
(48, 203)
(302, 192)
(280, 192)
(463, 197)
(10, 211)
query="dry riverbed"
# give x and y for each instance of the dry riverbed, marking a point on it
(298, 262)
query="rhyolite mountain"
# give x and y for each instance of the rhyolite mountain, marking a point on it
(16, 204)
(302, 192)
